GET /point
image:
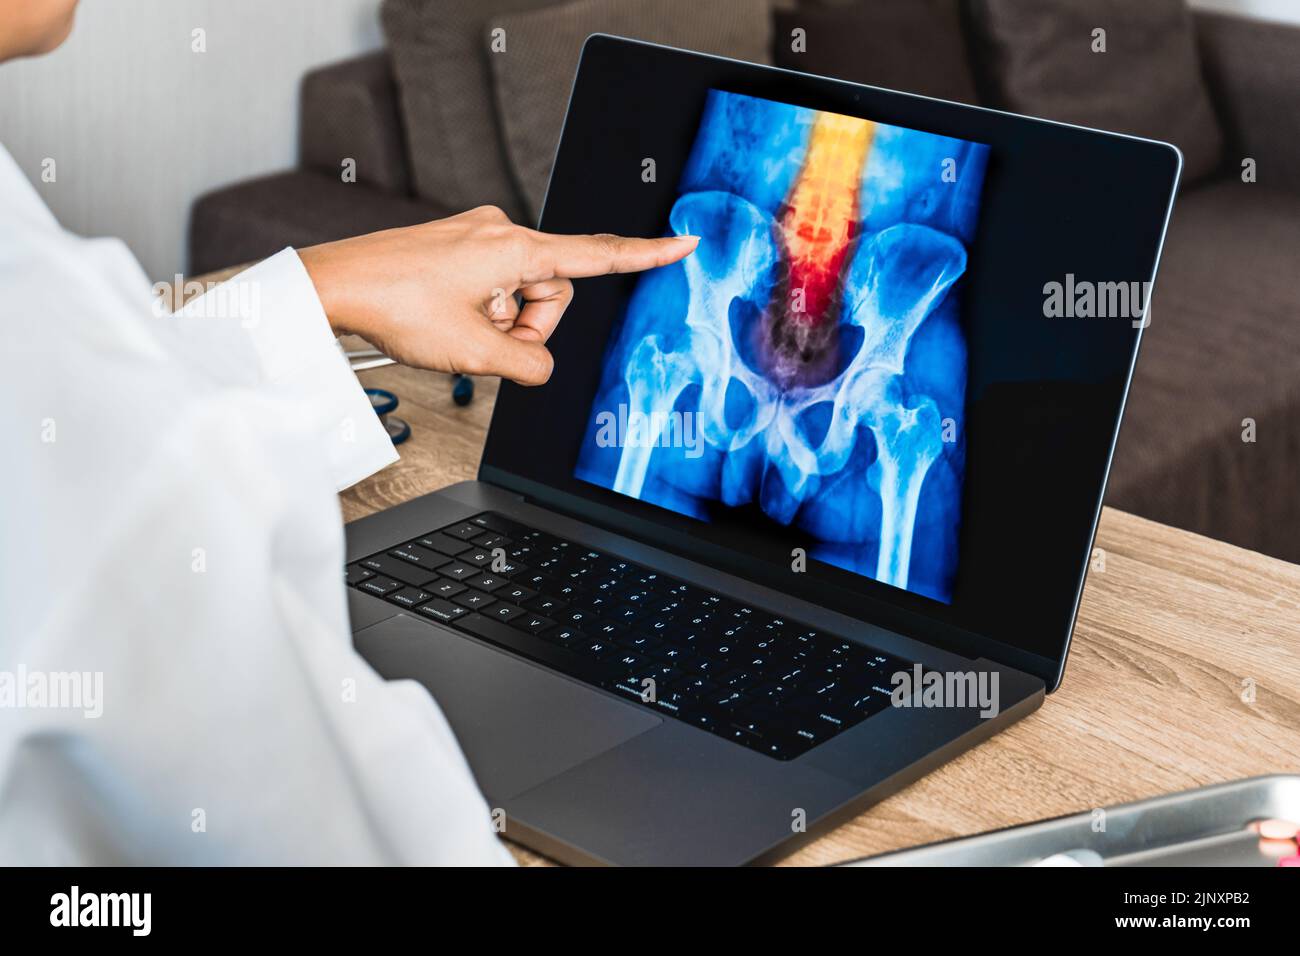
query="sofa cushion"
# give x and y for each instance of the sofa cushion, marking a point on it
(441, 56)
(251, 220)
(1038, 59)
(349, 111)
(913, 45)
(533, 81)
(1253, 70)
(1223, 346)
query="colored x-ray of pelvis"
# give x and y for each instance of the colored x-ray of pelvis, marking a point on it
(808, 359)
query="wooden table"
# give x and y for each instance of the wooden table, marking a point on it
(1184, 671)
(1172, 635)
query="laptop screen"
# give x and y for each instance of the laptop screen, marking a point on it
(878, 382)
(806, 366)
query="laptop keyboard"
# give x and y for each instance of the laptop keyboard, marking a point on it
(763, 681)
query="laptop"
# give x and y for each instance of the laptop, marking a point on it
(799, 518)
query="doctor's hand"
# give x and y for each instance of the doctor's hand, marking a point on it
(441, 295)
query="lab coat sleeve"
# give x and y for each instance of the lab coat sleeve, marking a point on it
(298, 356)
(174, 540)
(235, 723)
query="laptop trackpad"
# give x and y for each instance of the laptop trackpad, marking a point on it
(519, 724)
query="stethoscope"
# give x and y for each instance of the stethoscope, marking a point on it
(385, 402)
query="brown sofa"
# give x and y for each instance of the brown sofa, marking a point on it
(1220, 359)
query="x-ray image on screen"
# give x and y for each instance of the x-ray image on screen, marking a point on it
(806, 364)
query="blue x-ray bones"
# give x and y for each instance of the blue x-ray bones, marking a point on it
(847, 461)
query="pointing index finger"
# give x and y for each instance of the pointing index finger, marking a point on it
(576, 257)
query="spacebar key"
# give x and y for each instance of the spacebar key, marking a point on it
(529, 646)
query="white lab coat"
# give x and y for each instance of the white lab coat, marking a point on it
(169, 528)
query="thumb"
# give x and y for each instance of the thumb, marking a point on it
(523, 360)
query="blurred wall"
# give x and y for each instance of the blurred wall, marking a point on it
(139, 124)
(1284, 10)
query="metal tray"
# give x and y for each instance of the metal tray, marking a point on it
(1208, 826)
